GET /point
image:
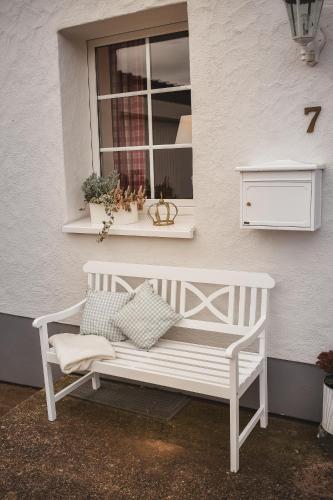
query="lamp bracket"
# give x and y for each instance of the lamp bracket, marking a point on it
(310, 52)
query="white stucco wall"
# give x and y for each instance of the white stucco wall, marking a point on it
(248, 89)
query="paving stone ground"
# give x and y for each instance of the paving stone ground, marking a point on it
(97, 452)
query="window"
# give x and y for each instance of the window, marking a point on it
(140, 100)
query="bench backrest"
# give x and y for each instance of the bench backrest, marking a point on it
(244, 294)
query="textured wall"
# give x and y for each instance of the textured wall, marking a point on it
(249, 91)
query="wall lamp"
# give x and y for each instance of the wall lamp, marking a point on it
(304, 16)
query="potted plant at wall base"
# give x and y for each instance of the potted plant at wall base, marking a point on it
(325, 362)
(110, 204)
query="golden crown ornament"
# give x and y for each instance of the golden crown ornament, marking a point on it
(163, 213)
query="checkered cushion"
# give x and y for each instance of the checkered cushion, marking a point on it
(146, 318)
(99, 311)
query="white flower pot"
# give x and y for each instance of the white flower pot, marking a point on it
(124, 217)
(98, 215)
(327, 420)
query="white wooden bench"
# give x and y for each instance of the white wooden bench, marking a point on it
(222, 373)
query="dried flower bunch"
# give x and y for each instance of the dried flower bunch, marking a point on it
(325, 362)
(106, 191)
(124, 198)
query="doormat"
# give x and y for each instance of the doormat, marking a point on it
(155, 403)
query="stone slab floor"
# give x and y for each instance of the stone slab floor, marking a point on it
(96, 452)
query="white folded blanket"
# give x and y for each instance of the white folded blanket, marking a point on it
(78, 352)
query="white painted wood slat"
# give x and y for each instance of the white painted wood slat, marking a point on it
(105, 282)
(90, 280)
(206, 302)
(170, 369)
(173, 296)
(254, 420)
(231, 305)
(190, 364)
(253, 306)
(98, 282)
(199, 386)
(164, 290)
(241, 306)
(193, 275)
(162, 379)
(67, 390)
(263, 303)
(213, 326)
(191, 351)
(206, 349)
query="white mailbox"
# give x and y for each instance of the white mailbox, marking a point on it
(281, 195)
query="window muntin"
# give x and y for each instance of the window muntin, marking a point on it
(143, 91)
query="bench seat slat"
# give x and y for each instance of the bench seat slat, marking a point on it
(173, 370)
(190, 372)
(218, 365)
(199, 348)
(181, 382)
(180, 360)
(221, 371)
(148, 375)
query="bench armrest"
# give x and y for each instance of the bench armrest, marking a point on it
(65, 313)
(245, 341)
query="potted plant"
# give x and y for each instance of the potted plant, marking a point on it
(98, 195)
(325, 362)
(127, 204)
(109, 203)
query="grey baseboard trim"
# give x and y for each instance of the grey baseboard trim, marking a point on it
(20, 357)
(295, 389)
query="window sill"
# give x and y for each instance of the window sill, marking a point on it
(183, 228)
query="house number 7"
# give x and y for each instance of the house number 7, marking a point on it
(316, 110)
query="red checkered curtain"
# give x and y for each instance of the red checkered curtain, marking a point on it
(129, 116)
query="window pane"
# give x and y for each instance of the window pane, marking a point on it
(133, 167)
(121, 67)
(170, 60)
(167, 110)
(173, 173)
(123, 121)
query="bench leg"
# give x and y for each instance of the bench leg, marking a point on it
(49, 391)
(48, 377)
(96, 381)
(234, 433)
(263, 395)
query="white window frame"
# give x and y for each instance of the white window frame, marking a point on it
(94, 98)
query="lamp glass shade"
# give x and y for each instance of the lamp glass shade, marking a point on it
(304, 16)
(184, 133)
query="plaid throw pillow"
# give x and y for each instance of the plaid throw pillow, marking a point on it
(146, 318)
(99, 311)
